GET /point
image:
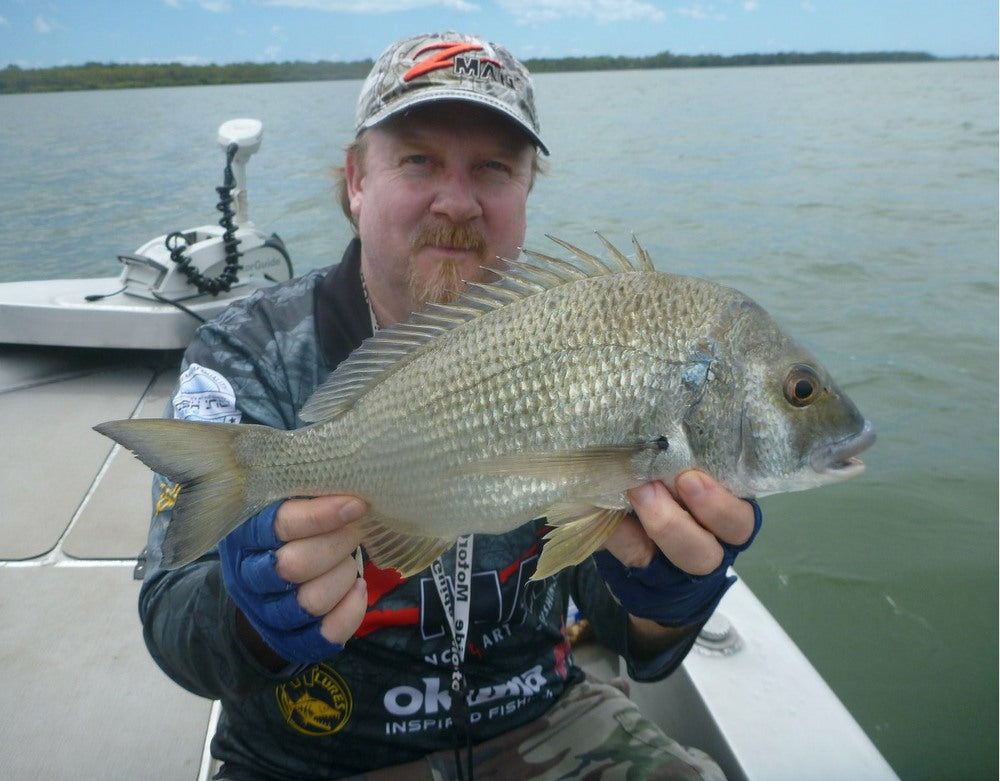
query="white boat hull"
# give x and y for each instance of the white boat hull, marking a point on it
(57, 312)
(75, 516)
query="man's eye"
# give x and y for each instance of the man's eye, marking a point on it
(496, 165)
(416, 159)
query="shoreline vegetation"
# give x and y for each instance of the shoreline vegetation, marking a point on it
(96, 76)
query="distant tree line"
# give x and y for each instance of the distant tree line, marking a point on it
(668, 60)
(95, 75)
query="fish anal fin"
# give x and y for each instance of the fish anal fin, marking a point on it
(391, 549)
(577, 533)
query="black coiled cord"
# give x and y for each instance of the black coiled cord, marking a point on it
(176, 242)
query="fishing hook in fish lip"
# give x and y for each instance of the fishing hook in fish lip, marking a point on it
(840, 459)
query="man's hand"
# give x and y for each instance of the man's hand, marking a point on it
(667, 566)
(688, 529)
(291, 572)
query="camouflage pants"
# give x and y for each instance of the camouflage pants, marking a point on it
(593, 733)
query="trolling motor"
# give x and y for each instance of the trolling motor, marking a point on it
(167, 287)
(212, 259)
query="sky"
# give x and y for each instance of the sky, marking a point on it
(45, 33)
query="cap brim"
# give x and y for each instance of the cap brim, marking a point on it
(422, 98)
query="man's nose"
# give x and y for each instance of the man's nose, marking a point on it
(456, 197)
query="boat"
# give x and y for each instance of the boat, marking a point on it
(80, 695)
(168, 286)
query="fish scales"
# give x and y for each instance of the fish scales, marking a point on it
(490, 391)
(549, 393)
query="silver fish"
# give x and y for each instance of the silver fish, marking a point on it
(549, 392)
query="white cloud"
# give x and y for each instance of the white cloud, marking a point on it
(601, 11)
(702, 13)
(278, 39)
(212, 6)
(42, 25)
(808, 6)
(750, 6)
(374, 6)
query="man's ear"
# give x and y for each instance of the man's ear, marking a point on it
(354, 177)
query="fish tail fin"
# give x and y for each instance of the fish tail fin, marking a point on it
(216, 492)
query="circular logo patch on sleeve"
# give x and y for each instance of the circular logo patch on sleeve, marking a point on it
(204, 394)
(317, 702)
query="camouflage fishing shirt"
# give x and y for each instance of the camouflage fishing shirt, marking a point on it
(385, 698)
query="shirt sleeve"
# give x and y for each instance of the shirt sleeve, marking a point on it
(189, 625)
(234, 371)
(610, 624)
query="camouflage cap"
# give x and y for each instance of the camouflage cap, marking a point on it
(448, 66)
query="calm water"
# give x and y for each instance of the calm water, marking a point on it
(857, 203)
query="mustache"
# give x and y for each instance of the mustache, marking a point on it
(452, 236)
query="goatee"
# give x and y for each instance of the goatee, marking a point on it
(444, 283)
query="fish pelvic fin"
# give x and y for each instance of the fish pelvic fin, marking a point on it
(391, 549)
(214, 496)
(578, 532)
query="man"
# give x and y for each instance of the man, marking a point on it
(324, 674)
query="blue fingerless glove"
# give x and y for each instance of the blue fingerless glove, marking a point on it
(247, 555)
(665, 593)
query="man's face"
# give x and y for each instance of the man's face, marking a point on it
(439, 193)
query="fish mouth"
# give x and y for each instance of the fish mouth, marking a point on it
(839, 460)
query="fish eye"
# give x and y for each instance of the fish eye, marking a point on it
(802, 385)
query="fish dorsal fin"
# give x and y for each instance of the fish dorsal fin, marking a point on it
(390, 349)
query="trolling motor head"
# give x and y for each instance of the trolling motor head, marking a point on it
(246, 134)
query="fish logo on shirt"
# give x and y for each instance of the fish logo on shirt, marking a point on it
(317, 702)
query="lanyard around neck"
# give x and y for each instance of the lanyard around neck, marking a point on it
(456, 606)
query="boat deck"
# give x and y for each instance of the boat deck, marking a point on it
(81, 698)
(80, 695)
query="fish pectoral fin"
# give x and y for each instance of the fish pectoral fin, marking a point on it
(407, 553)
(578, 531)
(591, 471)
